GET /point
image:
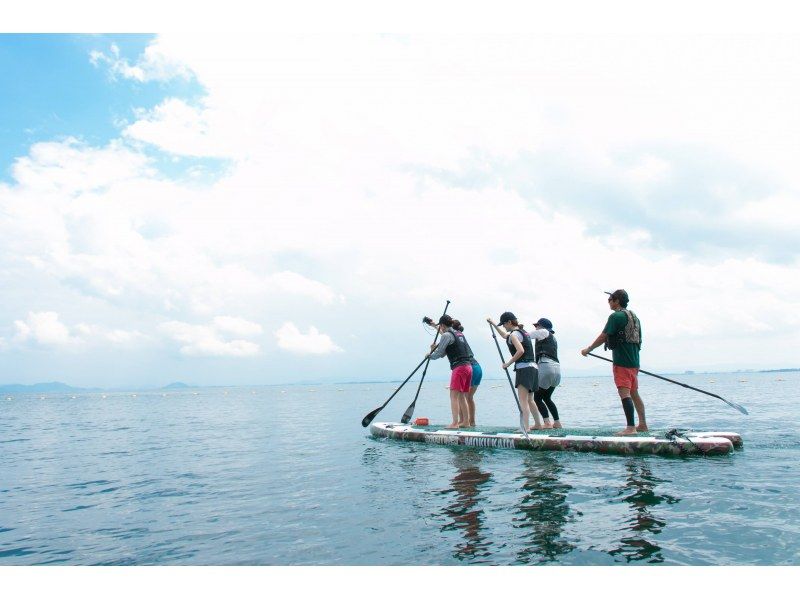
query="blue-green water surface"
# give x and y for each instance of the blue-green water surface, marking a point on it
(287, 476)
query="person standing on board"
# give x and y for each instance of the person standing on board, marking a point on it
(526, 377)
(623, 335)
(454, 344)
(546, 350)
(477, 375)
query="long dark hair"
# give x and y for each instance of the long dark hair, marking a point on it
(457, 325)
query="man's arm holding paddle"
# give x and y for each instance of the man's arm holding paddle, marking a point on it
(600, 340)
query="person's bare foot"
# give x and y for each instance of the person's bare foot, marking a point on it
(464, 425)
(628, 431)
(452, 426)
(556, 425)
(537, 427)
(547, 425)
(642, 428)
(471, 424)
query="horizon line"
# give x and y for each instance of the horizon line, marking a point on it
(349, 382)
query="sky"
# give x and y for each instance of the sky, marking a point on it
(265, 209)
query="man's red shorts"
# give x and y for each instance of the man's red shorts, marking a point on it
(626, 377)
(461, 377)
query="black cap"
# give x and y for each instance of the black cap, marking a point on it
(620, 295)
(507, 317)
(545, 323)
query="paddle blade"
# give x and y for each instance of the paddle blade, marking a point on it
(736, 406)
(409, 412)
(522, 425)
(370, 416)
(739, 408)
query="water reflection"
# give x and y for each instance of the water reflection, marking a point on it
(544, 510)
(645, 525)
(465, 511)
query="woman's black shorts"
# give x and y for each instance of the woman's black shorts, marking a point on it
(527, 377)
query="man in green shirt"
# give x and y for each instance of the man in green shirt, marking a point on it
(623, 334)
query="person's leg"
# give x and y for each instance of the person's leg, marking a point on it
(471, 405)
(547, 399)
(455, 408)
(627, 407)
(525, 406)
(461, 414)
(464, 410)
(531, 378)
(541, 407)
(638, 403)
(622, 380)
(463, 387)
(537, 418)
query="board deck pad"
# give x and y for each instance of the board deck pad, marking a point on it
(685, 442)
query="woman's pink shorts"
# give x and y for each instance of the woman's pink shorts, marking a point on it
(461, 377)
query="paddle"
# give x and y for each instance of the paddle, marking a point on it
(522, 423)
(410, 411)
(371, 415)
(711, 394)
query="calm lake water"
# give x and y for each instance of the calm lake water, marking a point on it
(287, 475)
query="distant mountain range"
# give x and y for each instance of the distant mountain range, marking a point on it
(61, 387)
(175, 386)
(43, 387)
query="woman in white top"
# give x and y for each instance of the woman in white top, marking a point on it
(546, 349)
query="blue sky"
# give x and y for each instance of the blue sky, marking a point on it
(258, 209)
(52, 90)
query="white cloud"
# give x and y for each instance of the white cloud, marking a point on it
(155, 64)
(296, 284)
(44, 328)
(114, 336)
(237, 326)
(72, 166)
(176, 127)
(312, 343)
(647, 171)
(47, 330)
(199, 340)
(781, 212)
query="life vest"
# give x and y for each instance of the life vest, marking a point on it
(458, 352)
(631, 334)
(527, 345)
(472, 359)
(547, 346)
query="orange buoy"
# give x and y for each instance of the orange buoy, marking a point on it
(421, 421)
